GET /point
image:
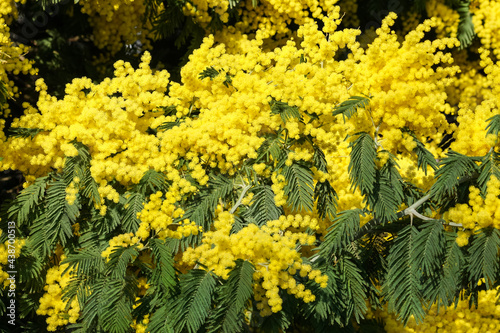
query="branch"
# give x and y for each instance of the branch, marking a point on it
(242, 195)
(411, 211)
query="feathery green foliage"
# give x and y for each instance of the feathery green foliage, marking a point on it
(424, 157)
(228, 315)
(285, 111)
(362, 168)
(299, 187)
(493, 125)
(387, 193)
(262, 207)
(22, 132)
(350, 107)
(341, 233)
(202, 208)
(452, 169)
(192, 307)
(402, 286)
(28, 201)
(442, 285)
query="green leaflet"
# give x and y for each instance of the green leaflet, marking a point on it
(465, 33)
(429, 247)
(285, 111)
(353, 287)
(341, 233)
(442, 285)
(490, 166)
(228, 316)
(22, 132)
(192, 307)
(163, 274)
(387, 193)
(424, 157)
(350, 107)
(262, 207)
(326, 200)
(402, 287)
(299, 187)
(55, 225)
(133, 205)
(493, 125)
(202, 208)
(451, 170)
(483, 261)
(28, 201)
(362, 163)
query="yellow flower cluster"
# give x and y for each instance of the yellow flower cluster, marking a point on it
(470, 136)
(271, 249)
(159, 214)
(484, 319)
(485, 19)
(123, 240)
(6, 254)
(117, 23)
(110, 118)
(12, 60)
(51, 303)
(478, 213)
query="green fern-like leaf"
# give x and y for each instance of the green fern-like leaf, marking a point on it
(21, 132)
(4, 94)
(299, 187)
(202, 208)
(353, 287)
(341, 233)
(429, 247)
(441, 288)
(465, 33)
(328, 306)
(26, 202)
(493, 125)
(350, 107)
(151, 182)
(483, 257)
(161, 322)
(425, 158)
(90, 188)
(262, 207)
(133, 205)
(228, 316)
(56, 224)
(209, 72)
(402, 286)
(163, 273)
(387, 194)
(285, 111)
(451, 170)
(75, 166)
(272, 147)
(119, 259)
(193, 305)
(490, 166)
(326, 200)
(116, 314)
(362, 167)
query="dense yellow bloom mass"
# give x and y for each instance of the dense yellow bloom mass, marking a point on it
(484, 319)
(51, 303)
(271, 249)
(117, 23)
(479, 212)
(220, 121)
(12, 59)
